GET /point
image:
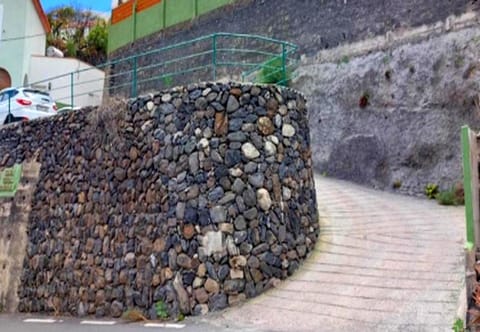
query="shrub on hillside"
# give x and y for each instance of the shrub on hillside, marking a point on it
(272, 73)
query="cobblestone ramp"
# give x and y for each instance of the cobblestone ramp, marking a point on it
(384, 262)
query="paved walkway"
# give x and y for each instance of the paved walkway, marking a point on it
(384, 262)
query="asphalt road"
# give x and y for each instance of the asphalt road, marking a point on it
(38, 323)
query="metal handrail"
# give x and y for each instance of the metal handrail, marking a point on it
(244, 56)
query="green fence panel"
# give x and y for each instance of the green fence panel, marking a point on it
(178, 11)
(149, 20)
(163, 15)
(205, 6)
(120, 34)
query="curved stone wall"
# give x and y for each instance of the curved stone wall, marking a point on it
(199, 197)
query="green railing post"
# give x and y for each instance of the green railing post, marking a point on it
(467, 185)
(134, 77)
(284, 65)
(134, 14)
(164, 14)
(71, 89)
(9, 104)
(214, 56)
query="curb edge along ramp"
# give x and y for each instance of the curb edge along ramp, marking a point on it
(384, 262)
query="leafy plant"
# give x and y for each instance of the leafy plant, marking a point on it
(458, 325)
(78, 33)
(180, 317)
(272, 72)
(446, 197)
(98, 37)
(449, 197)
(167, 81)
(71, 50)
(397, 184)
(161, 310)
(431, 190)
(453, 196)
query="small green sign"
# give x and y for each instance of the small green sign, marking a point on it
(9, 179)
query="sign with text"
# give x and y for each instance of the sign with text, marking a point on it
(9, 179)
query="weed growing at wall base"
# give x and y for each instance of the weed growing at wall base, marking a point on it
(431, 190)
(453, 196)
(458, 325)
(161, 310)
(446, 197)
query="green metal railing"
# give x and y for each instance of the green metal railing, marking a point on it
(219, 56)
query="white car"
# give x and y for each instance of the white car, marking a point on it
(23, 104)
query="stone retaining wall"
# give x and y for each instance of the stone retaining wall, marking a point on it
(199, 197)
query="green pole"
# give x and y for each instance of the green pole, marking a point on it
(164, 14)
(195, 8)
(134, 78)
(467, 185)
(71, 88)
(134, 13)
(284, 65)
(214, 56)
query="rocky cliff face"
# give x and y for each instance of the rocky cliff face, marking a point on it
(313, 25)
(394, 116)
(197, 197)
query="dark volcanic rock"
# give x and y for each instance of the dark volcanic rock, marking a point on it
(176, 198)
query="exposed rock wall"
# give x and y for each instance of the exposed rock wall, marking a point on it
(312, 24)
(199, 197)
(392, 119)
